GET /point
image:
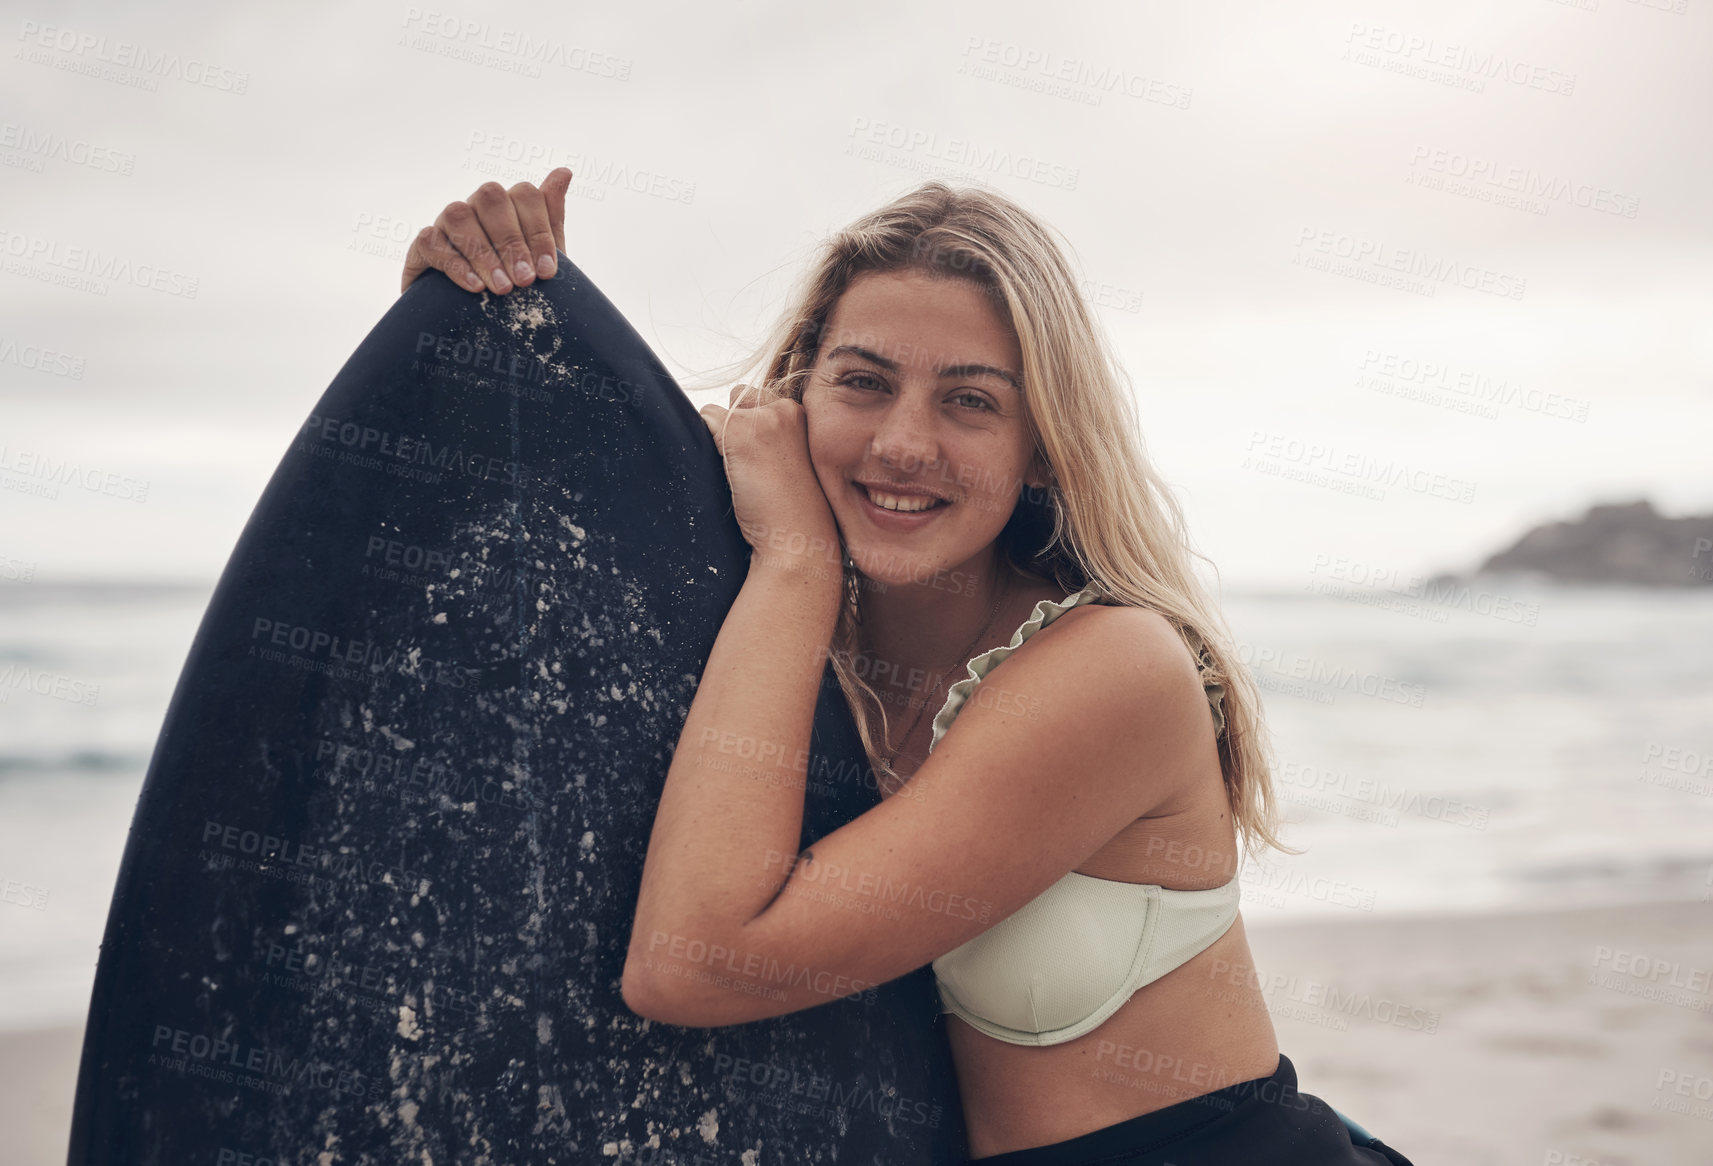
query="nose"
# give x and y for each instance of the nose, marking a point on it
(904, 438)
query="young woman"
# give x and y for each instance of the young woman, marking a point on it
(940, 474)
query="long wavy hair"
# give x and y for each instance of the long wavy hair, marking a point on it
(1105, 516)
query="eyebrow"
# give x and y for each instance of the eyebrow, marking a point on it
(955, 370)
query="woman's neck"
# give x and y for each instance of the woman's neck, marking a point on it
(913, 632)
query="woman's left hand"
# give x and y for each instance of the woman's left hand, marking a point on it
(778, 501)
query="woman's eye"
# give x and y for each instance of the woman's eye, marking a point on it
(856, 379)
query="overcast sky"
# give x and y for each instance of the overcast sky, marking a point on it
(1468, 239)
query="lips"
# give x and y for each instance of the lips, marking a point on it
(868, 493)
(896, 521)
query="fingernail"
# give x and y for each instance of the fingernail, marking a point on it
(501, 280)
(474, 280)
(545, 265)
(524, 270)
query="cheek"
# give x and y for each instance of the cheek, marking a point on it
(991, 484)
(982, 470)
(825, 453)
(830, 441)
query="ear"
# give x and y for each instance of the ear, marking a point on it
(1039, 474)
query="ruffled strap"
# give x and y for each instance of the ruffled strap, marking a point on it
(1215, 689)
(1046, 611)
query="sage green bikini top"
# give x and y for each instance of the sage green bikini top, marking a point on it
(1056, 968)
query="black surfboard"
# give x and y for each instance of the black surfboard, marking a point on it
(377, 892)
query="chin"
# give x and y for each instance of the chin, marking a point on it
(893, 568)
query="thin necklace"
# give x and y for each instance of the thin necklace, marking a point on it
(998, 593)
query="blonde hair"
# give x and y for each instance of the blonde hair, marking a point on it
(1106, 518)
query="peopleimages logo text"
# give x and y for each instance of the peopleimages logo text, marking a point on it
(126, 54)
(1379, 254)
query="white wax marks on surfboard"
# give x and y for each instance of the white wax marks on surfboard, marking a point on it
(528, 317)
(520, 828)
(708, 1125)
(567, 598)
(523, 312)
(529, 321)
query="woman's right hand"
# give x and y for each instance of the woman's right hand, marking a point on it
(498, 239)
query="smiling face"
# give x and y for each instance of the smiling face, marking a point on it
(917, 386)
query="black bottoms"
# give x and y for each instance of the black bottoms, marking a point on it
(1264, 1122)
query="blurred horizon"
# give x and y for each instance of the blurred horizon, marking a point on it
(1468, 570)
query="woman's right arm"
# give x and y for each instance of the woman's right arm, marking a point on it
(497, 240)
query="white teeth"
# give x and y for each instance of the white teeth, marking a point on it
(908, 503)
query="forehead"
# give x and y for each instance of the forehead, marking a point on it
(921, 321)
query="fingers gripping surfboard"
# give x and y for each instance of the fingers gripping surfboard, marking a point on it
(377, 892)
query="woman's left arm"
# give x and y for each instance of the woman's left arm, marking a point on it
(734, 790)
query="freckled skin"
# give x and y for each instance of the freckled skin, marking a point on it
(965, 436)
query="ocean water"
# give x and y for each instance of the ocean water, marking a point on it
(1522, 746)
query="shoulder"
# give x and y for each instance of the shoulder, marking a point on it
(1111, 667)
(1136, 641)
(1104, 701)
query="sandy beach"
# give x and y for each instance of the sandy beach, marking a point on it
(1579, 1038)
(38, 1072)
